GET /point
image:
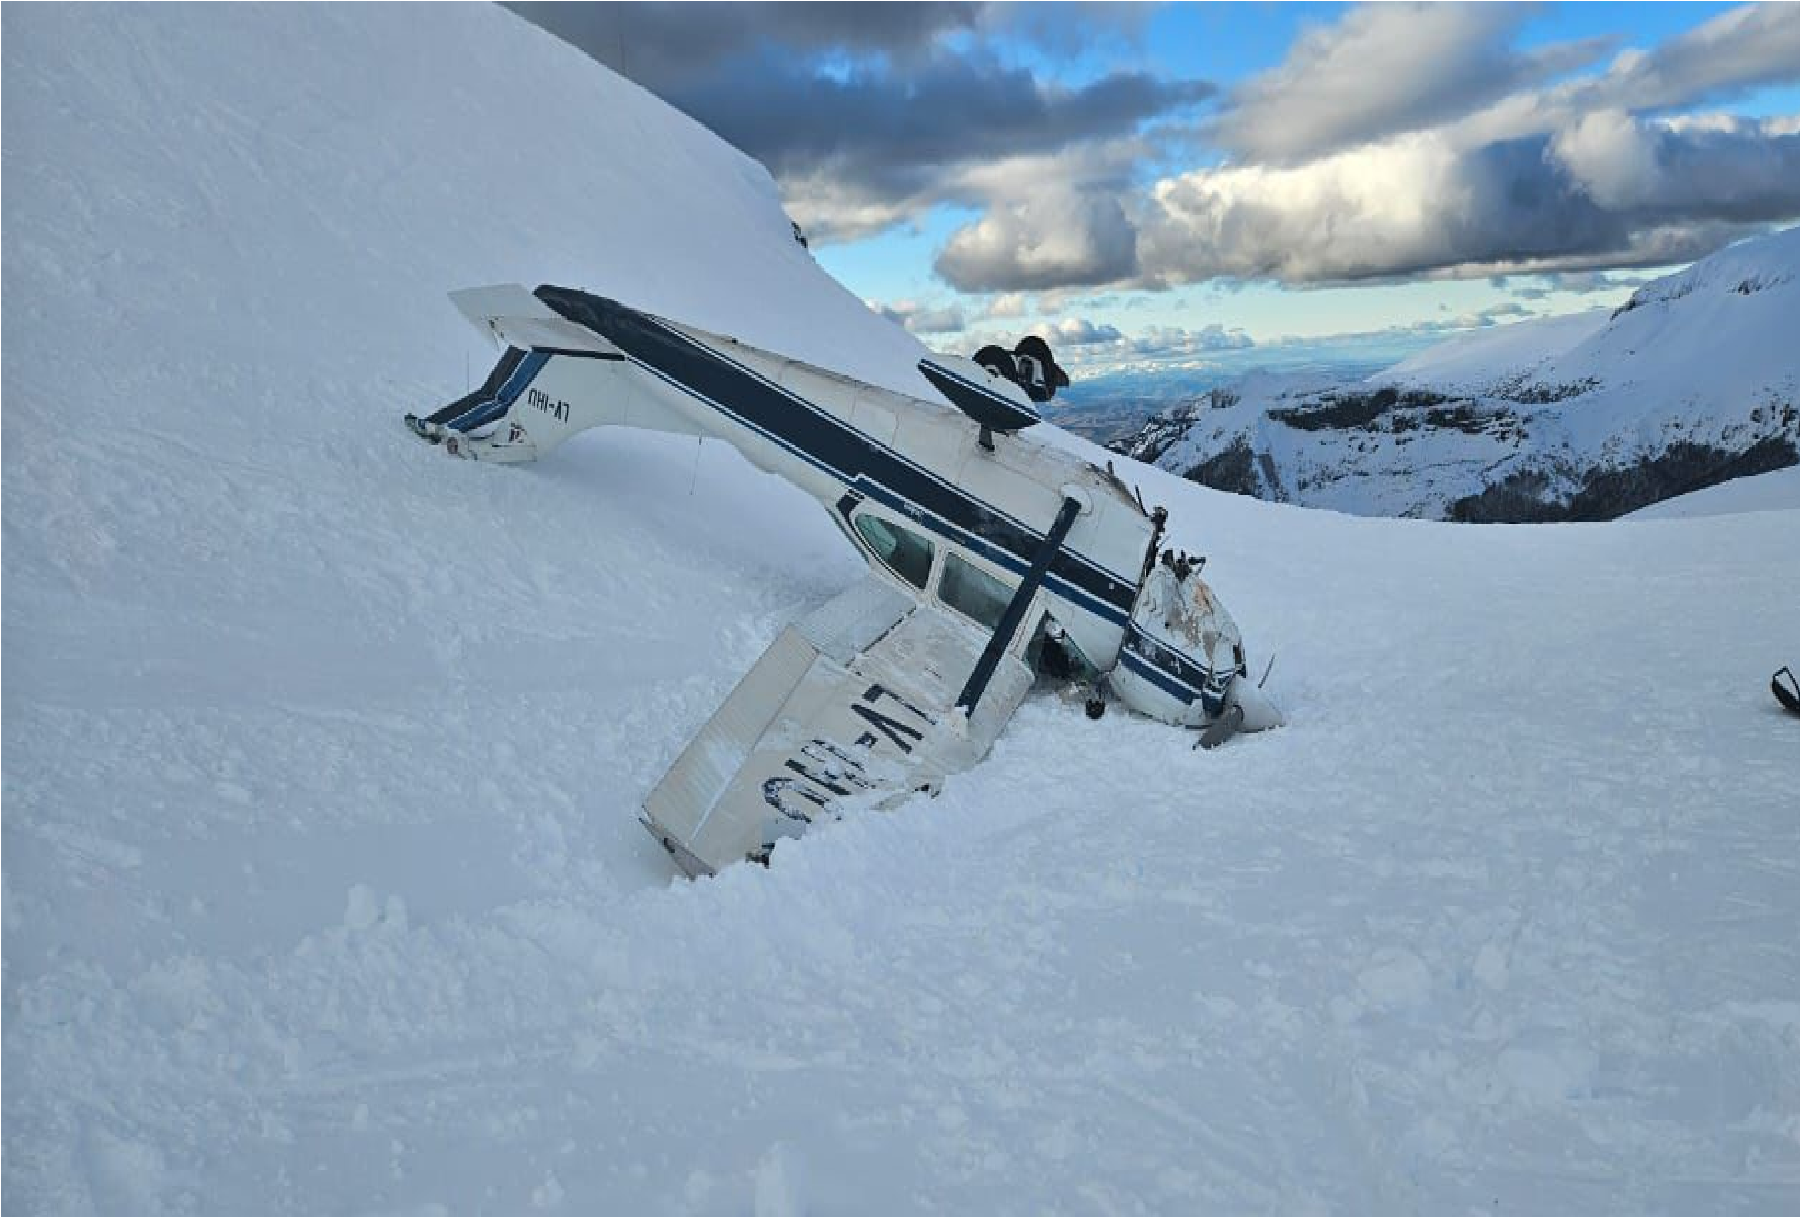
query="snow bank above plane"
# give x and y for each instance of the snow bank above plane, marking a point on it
(409, 153)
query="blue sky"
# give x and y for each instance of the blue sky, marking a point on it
(1156, 184)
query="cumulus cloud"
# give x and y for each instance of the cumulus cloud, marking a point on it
(923, 319)
(1343, 184)
(1386, 69)
(1009, 304)
(1095, 347)
(868, 115)
(1612, 190)
(1737, 51)
(1180, 340)
(1757, 44)
(1716, 166)
(1397, 140)
(1059, 236)
(1576, 176)
(1575, 283)
(875, 125)
(1506, 308)
(1077, 332)
(1101, 349)
(1480, 319)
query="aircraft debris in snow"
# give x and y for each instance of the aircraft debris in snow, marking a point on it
(992, 558)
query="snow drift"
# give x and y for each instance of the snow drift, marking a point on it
(322, 888)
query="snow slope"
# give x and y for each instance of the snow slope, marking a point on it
(322, 890)
(1478, 359)
(1778, 490)
(1694, 381)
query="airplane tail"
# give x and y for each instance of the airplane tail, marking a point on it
(549, 383)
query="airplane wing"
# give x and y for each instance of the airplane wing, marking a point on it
(853, 707)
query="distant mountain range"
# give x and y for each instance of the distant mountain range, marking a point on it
(1693, 381)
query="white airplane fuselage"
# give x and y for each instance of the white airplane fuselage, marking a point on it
(911, 464)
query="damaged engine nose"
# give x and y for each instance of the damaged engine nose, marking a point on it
(1182, 652)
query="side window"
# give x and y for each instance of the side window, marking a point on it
(902, 549)
(973, 591)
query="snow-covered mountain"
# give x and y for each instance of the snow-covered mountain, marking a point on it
(322, 884)
(1693, 381)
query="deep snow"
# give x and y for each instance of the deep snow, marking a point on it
(322, 889)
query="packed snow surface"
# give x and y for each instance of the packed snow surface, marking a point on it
(322, 887)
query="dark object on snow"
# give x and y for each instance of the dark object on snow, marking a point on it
(1182, 563)
(1221, 729)
(1788, 695)
(1029, 365)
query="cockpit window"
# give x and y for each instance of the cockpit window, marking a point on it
(903, 550)
(970, 590)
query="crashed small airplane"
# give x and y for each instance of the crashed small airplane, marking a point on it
(993, 558)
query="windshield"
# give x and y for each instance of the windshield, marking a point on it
(906, 553)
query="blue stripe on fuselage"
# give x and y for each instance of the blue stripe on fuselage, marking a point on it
(1171, 684)
(931, 522)
(859, 462)
(835, 447)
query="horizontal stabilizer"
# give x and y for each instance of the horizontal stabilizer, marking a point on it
(513, 317)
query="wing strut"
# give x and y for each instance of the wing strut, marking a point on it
(1015, 609)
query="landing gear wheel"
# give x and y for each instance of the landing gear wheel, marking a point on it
(1222, 729)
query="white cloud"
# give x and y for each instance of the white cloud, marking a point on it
(1574, 176)
(1177, 340)
(1694, 168)
(1746, 47)
(1753, 45)
(1574, 283)
(1611, 156)
(923, 319)
(1383, 70)
(1345, 216)
(1009, 304)
(1058, 236)
(1610, 190)
(1076, 332)
(1094, 348)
